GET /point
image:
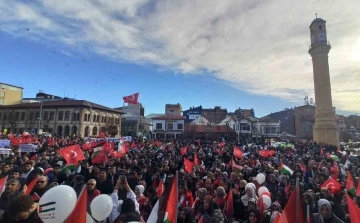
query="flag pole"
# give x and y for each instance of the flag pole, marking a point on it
(297, 190)
(177, 194)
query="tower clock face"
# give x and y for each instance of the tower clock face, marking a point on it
(322, 36)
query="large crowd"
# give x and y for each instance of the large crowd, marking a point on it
(210, 173)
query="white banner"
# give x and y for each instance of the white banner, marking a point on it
(27, 148)
(4, 151)
(4, 143)
(127, 138)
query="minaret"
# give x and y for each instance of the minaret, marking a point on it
(325, 129)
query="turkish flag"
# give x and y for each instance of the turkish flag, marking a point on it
(333, 186)
(131, 99)
(188, 165)
(237, 153)
(72, 154)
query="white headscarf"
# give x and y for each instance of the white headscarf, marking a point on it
(246, 197)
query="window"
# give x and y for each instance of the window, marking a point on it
(5, 116)
(1, 116)
(98, 118)
(85, 118)
(105, 119)
(74, 117)
(244, 127)
(37, 115)
(46, 115)
(180, 126)
(67, 116)
(172, 110)
(158, 125)
(61, 116)
(31, 115)
(102, 119)
(22, 116)
(17, 115)
(52, 115)
(170, 126)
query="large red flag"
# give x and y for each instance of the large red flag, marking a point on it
(160, 189)
(188, 165)
(354, 211)
(78, 215)
(333, 186)
(31, 186)
(131, 99)
(72, 154)
(289, 213)
(229, 208)
(237, 153)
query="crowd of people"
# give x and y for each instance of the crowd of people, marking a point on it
(208, 172)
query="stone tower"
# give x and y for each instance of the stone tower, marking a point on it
(325, 129)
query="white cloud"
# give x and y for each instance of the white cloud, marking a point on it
(257, 46)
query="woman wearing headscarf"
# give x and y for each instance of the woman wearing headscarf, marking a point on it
(250, 193)
(199, 201)
(272, 213)
(220, 197)
(325, 214)
(139, 190)
(184, 215)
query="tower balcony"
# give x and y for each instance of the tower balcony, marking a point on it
(322, 47)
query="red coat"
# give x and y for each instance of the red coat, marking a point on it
(92, 195)
(141, 200)
(188, 200)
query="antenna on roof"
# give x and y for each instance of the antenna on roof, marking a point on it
(316, 15)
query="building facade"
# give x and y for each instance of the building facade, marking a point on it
(304, 121)
(168, 126)
(266, 127)
(287, 120)
(10, 94)
(61, 117)
(133, 121)
(173, 109)
(214, 115)
(193, 113)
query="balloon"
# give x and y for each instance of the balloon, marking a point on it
(101, 207)
(57, 204)
(266, 201)
(262, 190)
(89, 219)
(260, 178)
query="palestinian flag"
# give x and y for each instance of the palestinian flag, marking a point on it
(350, 187)
(285, 170)
(68, 169)
(333, 157)
(165, 209)
(50, 206)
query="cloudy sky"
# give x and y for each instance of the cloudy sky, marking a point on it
(256, 48)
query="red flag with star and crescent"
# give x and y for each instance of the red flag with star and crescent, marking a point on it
(333, 186)
(237, 153)
(72, 154)
(131, 99)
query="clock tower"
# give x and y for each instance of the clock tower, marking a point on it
(325, 129)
